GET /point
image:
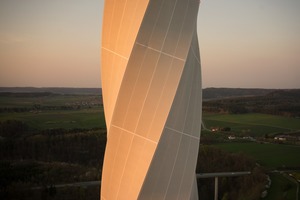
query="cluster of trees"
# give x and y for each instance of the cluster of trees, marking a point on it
(26, 94)
(80, 147)
(30, 180)
(38, 107)
(35, 102)
(222, 93)
(281, 102)
(12, 128)
(47, 157)
(50, 90)
(248, 187)
(14, 109)
(36, 173)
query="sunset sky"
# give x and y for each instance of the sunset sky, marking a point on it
(56, 43)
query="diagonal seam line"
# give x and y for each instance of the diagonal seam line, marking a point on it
(194, 137)
(162, 52)
(147, 139)
(115, 53)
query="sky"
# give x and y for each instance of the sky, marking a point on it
(243, 44)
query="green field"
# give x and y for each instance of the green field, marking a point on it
(46, 110)
(268, 155)
(281, 188)
(84, 118)
(252, 124)
(257, 125)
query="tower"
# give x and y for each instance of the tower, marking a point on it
(152, 93)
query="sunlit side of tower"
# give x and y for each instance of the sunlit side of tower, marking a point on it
(151, 86)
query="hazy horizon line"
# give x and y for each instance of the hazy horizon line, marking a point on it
(217, 87)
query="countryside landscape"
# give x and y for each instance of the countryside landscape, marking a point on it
(52, 143)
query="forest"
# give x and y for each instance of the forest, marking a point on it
(277, 102)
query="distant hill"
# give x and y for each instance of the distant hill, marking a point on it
(276, 102)
(56, 90)
(220, 93)
(208, 93)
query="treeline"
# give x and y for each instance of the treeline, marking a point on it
(47, 101)
(248, 187)
(221, 93)
(26, 94)
(57, 90)
(47, 157)
(12, 128)
(27, 179)
(56, 145)
(281, 102)
(38, 108)
(35, 173)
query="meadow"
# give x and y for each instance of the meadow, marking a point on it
(258, 125)
(66, 119)
(252, 124)
(269, 155)
(47, 111)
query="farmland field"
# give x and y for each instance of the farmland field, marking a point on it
(47, 110)
(84, 118)
(252, 124)
(268, 155)
(257, 125)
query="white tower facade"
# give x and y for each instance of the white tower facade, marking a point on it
(152, 93)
